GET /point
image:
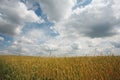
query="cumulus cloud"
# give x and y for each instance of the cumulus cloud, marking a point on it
(93, 20)
(54, 9)
(91, 29)
(31, 43)
(57, 10)
(116, 9)
(13, 16)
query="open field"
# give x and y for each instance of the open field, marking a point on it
(46, 68)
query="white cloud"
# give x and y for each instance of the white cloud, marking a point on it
(54, 9)
(1, 38)
(31, 43)
(57, 9)
(92, 20)
(13, 16)
(116, 9)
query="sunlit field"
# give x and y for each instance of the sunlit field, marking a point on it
(51, 68)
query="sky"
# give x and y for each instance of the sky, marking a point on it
(59, 27)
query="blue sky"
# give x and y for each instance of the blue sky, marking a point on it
(67, 28)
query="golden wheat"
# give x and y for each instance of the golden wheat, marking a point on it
(50, 68)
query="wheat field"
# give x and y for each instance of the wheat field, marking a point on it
(65, 68)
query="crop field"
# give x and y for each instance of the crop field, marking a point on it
(53, 68)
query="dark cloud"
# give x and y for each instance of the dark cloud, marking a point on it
(7, 28)
(116, 44)
(100, 30)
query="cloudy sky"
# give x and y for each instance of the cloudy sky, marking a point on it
(59, 27)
